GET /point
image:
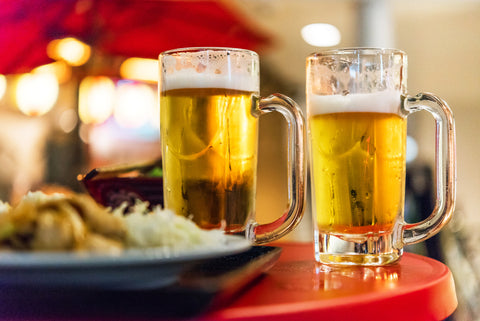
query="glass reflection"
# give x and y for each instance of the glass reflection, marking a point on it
(355, 278)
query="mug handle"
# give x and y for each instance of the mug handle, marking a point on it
(264, 233)
(445, 168)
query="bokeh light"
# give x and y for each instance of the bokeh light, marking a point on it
(135, 104)
(321, 35)
(140, 69)
(60, 69)
(36, 93)
(3, 86)
(68, 120)
(71, 50)
(96, 99)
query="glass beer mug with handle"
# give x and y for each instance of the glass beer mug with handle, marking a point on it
(357, 108)
(209, 111)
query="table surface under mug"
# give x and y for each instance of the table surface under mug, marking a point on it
(297, 288)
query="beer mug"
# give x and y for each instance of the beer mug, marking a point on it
(357, 108)
(209, 112)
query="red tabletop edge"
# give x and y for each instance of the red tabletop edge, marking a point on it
(297, 288)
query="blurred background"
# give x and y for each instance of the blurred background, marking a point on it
(78, 90)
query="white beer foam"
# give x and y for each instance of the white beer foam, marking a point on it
(189, 78)
(387, 101)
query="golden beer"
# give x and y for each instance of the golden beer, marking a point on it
(358, 163)
(358, 105)
(210, 155)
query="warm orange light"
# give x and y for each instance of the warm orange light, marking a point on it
(36, 93)
(96, 98)
(60, 69)
(135, 104)
(3, 86)
(71, 50)
(140, 69)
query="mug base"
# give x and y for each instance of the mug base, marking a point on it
(367, 250)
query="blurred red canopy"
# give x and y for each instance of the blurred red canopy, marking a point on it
(131, 28)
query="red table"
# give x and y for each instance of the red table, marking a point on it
(296, 288)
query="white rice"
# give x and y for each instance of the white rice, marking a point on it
(39, 196)
(163, 228)
(4, 207)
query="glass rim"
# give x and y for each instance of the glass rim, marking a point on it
(200, 49)
(364, 51)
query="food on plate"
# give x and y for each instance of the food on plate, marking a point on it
(59, 222)
(75, 222)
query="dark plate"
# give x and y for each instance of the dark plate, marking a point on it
(207, 285)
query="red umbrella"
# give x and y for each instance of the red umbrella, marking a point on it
(140, 28)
